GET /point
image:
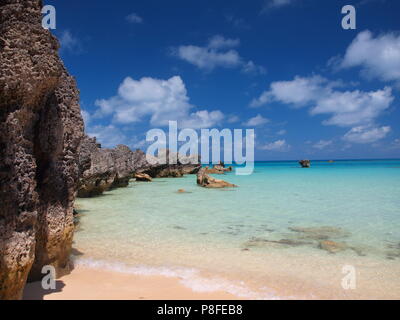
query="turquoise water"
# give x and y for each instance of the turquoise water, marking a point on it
(229, 233)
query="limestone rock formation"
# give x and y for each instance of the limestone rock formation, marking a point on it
(219, 169)
(206, 181)
(163, 167)
(40, 132)
(305, 163)
(104, 169)
(143, 177)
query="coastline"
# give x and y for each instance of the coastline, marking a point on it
(85, 283)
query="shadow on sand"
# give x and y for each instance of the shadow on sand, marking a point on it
(34, 290)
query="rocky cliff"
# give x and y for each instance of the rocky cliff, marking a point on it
(104, 169)
(40, 132)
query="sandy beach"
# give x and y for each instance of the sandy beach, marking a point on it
(91, 284)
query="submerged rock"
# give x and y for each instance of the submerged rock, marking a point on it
(332, 246)
(320, 233)
(206, 181)
(143, 177)
(305, 163)
(285, 243)
(41, 129)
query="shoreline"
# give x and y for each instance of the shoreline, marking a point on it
(85, 283)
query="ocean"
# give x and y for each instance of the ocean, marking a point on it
(331, 231)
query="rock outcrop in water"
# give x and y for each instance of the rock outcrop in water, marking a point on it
(178, 167)
(105, 169)
(206, 181)
(40, 131)
(143, 177)
(305, 163)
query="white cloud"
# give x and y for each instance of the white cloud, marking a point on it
(279, 3)
(219, 52)
(281, 132)
(256, 121)
(322, 144)
(275, 4)
(208, 59)
(279, 145)
(69, 42)
(134, 18)
(396, 143)
(232, 119)
(251, 67)
(86, 117)
(379, 57)
(109, 136)
(365, 134)
(160, 100)
(346, 108)
(219, 42)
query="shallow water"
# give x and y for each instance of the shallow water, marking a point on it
(227, 235)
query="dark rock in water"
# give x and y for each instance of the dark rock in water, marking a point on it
(320, 233)
(179, 228)
(172, 165)
(219, 169)
(40, 132)
(332, 246)
(305, 163)
(143, 177)
(358, 251)
(206, 181)
(261, 242)
(105, 169)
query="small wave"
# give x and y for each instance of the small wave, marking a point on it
(188, 277)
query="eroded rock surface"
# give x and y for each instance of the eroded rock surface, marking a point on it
(40, 131)
(104, 169)
(172, 165)
(206, 181)
(143, 177)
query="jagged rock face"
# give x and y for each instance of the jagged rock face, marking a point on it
(206, 181)
(104, 169)
(162, 167)
(40, 131)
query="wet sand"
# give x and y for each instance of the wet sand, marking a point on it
(91, 284)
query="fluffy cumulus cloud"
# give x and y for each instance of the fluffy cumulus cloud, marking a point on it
(345, 108)
(279, 145)
(365, 134)
(108, 135)
(379, 57)
(159, 100)
(219, 52)
(256, 121)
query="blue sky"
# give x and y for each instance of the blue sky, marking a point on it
(284, 67)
